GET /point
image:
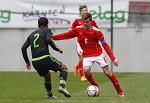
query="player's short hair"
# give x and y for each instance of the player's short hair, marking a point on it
(86, 16)
(81, 7)
(43, 21)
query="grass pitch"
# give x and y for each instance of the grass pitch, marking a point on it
(28, 87)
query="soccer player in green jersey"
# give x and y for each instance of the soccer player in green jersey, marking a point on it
(42, 61)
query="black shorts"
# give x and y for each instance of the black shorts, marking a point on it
(44, 65)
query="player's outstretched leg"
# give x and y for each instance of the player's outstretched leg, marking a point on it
(91, 80)
(89, 76)
(114, 80)
(116, 84)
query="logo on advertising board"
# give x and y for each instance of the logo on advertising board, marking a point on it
(51, 14)
(5, 16)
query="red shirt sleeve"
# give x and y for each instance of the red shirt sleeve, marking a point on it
(94, 24)
(74, 24)
(106, 47)
(66, 35)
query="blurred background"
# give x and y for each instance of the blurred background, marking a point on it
(128, 34)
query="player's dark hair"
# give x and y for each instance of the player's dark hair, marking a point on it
(86, 16)
(43, 21)
(81, 7)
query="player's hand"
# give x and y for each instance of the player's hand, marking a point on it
(61, 51)
(28, 66)
(115, 62)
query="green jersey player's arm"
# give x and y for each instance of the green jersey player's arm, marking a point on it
(53, 45)
(24, 50)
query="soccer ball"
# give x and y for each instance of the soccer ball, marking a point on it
(92, 91)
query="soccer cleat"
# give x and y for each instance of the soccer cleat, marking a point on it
(64, 91)
(75, 70)
(51, 96)
(96, 84)
(83, 79)
(121, 94)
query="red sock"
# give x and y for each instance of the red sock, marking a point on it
(91, 80)
(80, 68)
(115, 83)
(81, 72)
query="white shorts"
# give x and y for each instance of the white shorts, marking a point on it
(101, 60)
(79, 50)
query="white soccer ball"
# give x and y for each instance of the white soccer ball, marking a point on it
(92, 91)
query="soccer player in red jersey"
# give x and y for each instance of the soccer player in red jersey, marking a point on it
(89, 38)
(79, 22)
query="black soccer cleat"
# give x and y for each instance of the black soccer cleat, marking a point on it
(51, 96)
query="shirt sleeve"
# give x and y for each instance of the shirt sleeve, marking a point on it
(53, 45)
(66, 35)
(74, 24)
(24, 50)
(48, 35)
(106, 47)
(94, 24)
(50, 41)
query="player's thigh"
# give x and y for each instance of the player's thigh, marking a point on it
(40, 68)
(87, 62)
(102, 61)
(46, 64)
(54, 64)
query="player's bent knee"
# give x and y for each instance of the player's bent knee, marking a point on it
(86, 71)
(106, 70)
(64, 67)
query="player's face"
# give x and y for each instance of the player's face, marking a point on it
(47, 26)
(87, 24)
(83, 11)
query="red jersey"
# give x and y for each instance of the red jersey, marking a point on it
(79, 22)
(88, 40)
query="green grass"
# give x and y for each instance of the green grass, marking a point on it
(27, 87)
